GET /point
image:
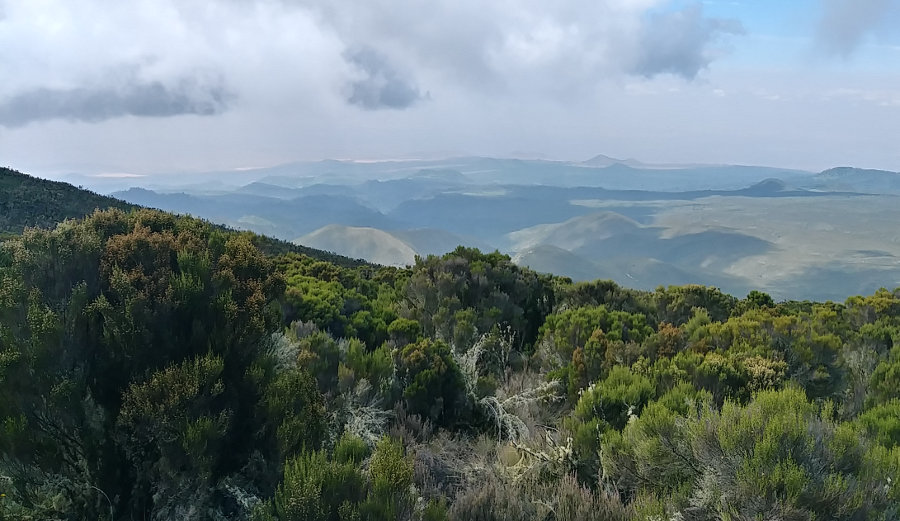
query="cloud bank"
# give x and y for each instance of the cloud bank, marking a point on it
(373, 55)
(95, 104)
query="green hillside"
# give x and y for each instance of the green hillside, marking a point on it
(155, 366)
(27, 201)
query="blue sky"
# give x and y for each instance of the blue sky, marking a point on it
(167, 85)
(784, 34)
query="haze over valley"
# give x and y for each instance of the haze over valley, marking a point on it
(792, 233)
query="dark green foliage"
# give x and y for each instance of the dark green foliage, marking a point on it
(885, 381)
(653, 452)
(605, 405)
(573, 328)
(755, 300)
(157, 367)
(675, 304)
(293, 405)
(320, 355)
(31, 202)
(466, 293)
(779, 457)
(318, 488)
(404, 331)
(605, 293)
(588, 341)
(432, 384)
(616, 398)
(127, 341)
(376, 366)
(173, 429)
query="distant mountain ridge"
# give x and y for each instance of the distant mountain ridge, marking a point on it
(858, 180)
(640, 223)
(285, 219)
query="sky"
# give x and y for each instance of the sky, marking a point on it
(149, 86)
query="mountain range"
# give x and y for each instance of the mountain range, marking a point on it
(733, 226)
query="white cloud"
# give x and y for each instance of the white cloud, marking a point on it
(298, 52)
(256, 82)
(258, 50)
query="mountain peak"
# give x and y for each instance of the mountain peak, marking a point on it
(601, 161)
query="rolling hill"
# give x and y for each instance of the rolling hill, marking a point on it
(857, 180)
(391, 248)
(635, 272)
(577, 232)
(375, 245)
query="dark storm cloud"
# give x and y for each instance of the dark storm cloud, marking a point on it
(94, 104)
(679, 42)
(845, 23)
(382, 86)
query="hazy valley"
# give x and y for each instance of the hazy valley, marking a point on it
(794, 234)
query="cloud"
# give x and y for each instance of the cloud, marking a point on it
(679, 42)
(381, 86)
(159, 58)
(99, 103)
(845, 23)
(529, 46)
(293, 57)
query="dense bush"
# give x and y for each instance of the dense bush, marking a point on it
(432, 383)
(778, 457)
(155, 367)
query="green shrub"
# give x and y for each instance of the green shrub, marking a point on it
(391, 477)
(350, 448)
(433, 386)
(316, 489)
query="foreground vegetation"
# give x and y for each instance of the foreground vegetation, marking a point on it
(156, 367)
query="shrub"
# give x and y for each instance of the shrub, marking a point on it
(316, 489)
(433, 386)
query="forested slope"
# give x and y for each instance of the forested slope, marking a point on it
(158, 367)
(29, 201)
